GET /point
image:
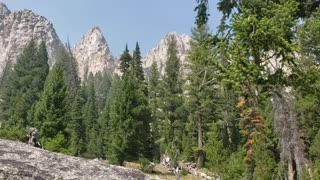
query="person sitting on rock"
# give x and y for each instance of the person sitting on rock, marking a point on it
(34, 139)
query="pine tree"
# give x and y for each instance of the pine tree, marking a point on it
(75, 128)
(52, 113)
(173, 112)
(136, 63)
(125, 60)
(129, 118)
(217, 153)
(105, 120)
(113, 117)
(90, 118)
(203, 99)
(138, 118)
(23, 86)
(102, 84)
(71, 68)
(154, 85)
(307, 85)
(252, 50)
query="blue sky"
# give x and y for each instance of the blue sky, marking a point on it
(122, 21)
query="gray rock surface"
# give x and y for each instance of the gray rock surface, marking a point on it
(22, 161)
(93, 54)
(18, 28)
(4, 11)
(159, 55)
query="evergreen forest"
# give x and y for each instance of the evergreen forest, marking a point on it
(247, 105)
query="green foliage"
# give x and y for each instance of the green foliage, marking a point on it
(23, 86)
(235, 167)
(217, 153)
(125, 60)
(70, 67)
(102, 84)
(57, 143)
(136, 63)
(173, 113)
(128, 116)
(75, 128)
(310, 36)
(154, 93)
(51, 113)
(14, 133)
(90, 120)
(202, 13)
(264, 159)
(315, 156)
(314, 149)
(202, 101)
(192, 117)
(307, 80)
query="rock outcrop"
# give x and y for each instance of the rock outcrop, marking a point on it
(22, 161)
(93, 54)
(159, 55)
(18, 28)
(4, 11)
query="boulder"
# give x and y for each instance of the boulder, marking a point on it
(158, 168)
(22, 161)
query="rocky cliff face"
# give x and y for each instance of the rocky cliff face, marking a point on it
(159, 55)
(93, 54)
(18, 28)
(22, 161)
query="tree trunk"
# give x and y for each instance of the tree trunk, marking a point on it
(292, 145)
(200, 146)
(291, 175)
(228, 126)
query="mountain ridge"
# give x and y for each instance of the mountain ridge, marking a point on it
(92, 52)
(18, 28)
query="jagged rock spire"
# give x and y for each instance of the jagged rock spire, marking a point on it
(4, 11)
(159, 55)
(93, 54)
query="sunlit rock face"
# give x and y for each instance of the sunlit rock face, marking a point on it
(159, 55)
(18, 28)
(93, 54)
(22, 161)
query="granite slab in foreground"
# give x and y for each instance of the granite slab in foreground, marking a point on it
(21, 161)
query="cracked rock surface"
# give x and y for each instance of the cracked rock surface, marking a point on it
(22, 161)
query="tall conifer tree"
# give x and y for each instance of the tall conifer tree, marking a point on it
(52, 113)
(173, 112)
(90, 118)
(125, 60)
(136, 63)
(23, 86)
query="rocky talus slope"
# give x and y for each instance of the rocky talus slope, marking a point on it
(24, 162)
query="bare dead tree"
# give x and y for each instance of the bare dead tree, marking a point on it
(292, 145)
